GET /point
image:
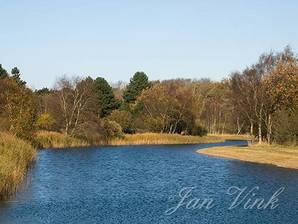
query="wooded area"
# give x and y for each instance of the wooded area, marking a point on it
(261, 100)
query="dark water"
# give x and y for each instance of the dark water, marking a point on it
(138, 184)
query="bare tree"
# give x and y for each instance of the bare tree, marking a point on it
(75, 99)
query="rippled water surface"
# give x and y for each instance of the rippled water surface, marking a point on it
(138, 184)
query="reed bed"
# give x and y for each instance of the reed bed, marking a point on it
(232, 136)
(158, 138)
(15, 158)
(48, 139)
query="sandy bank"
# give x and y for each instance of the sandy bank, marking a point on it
(281, 156)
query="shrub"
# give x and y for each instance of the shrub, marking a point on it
(124, 119)
(45, 121)
(111, 129)
(18, 105)
(198, 130)
(286, 128)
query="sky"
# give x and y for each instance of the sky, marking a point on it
(164, 38)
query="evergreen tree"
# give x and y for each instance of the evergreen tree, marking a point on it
(42, 91)
(105, 96)
(137, 84)
(3, 73)
(16, 76)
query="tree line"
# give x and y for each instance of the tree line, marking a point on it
(260, 100)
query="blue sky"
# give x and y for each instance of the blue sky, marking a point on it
(166, 39)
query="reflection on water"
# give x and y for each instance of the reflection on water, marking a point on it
(136, 184)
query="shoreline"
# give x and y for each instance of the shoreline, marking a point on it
(58, 141)
(275, 155)
(16, 158)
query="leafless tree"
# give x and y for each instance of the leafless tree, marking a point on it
(75, 99)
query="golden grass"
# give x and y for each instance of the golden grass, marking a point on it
(48, 139)
(282, 156)
(15, 158)
(158, 138)
(232, 137)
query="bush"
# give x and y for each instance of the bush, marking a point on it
(111, 129)
(19, 106)
(124, 119)
(198, 131)
(45, 121)
(99, 131)
(286, 128)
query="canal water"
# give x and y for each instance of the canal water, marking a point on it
(152, 184)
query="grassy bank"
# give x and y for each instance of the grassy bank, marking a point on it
(157, 138)
(231, 137)
(282, 156)
(48, 139)
(15, 157)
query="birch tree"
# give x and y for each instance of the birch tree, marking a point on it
(75, 98)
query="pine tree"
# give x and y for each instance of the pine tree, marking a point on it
(137, 84)
(105, 96)
(16, 76)
(3, 73)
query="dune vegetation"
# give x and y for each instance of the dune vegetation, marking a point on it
(278, 155)
(15, 157)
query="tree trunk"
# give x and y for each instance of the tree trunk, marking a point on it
(260, 130)
(223, 127)
(269, 131)
(66, 127)
(238, 126)
(171, 127)
(251, 127)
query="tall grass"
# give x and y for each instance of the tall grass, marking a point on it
(232, 136)
(48, 139)
(158, 138)
(15, 157)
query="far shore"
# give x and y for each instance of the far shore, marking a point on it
(163, 138)
(277, 155)
(58, 140)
